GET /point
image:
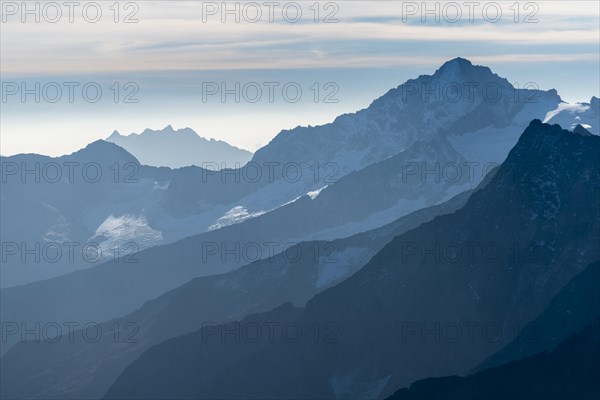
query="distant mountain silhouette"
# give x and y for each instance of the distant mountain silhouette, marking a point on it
(179, 148)
(539, 212)
(361, 200)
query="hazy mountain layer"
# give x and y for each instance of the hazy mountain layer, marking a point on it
(395, 320)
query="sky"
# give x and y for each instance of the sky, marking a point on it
(244, 71)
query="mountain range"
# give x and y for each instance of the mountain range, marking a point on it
(385, 313)
(180, 148)
(431, 234)
(309, 268)
(474, 132)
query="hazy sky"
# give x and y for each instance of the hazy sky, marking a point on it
(170, 54)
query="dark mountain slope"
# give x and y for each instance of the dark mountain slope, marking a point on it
(82, 369)
(570, 371)
(573, 308)
(530, 230)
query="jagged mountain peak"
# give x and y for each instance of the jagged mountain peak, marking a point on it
(541, 133)
(580, 130)
(461, 70)
(461, 86)
(168, 130)
(458, 61)
(114, 135)
(456, 65)
(457, 99)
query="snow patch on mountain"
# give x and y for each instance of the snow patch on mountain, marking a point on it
(313, 194)
(569, 108)
(124, 235)
(235, 215)
(568, 116)
(59, 231)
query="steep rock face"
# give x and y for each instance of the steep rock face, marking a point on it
(487, 268)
